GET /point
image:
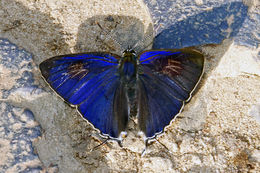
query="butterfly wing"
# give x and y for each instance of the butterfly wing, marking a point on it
(166, 79)
(91, 83)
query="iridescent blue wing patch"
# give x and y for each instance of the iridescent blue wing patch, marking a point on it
(91, 82)
(166, 79)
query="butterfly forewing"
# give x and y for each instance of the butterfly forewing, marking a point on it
(166, 79)
(91, 82)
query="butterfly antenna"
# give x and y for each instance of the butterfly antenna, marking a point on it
(105, 141)
(139, 49)
(158, 27)
(148, 36)
(143, 40)
(109, 35)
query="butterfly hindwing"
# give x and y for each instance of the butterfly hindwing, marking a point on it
(107, 109)
(90, 82)
(166, 79)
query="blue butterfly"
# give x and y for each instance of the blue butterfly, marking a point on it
(102, 86)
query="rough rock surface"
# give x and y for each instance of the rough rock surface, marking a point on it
(218, 130)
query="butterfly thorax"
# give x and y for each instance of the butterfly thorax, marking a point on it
(128, 66)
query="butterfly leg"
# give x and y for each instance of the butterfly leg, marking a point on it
(105, 141)
(102, 143)
(146, 145)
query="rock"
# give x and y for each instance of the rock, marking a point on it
(217, 131)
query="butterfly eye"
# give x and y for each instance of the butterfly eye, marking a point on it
(132, 51)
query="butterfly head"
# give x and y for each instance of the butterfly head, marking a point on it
(129, 54)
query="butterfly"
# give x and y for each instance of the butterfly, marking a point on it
(103, 86)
